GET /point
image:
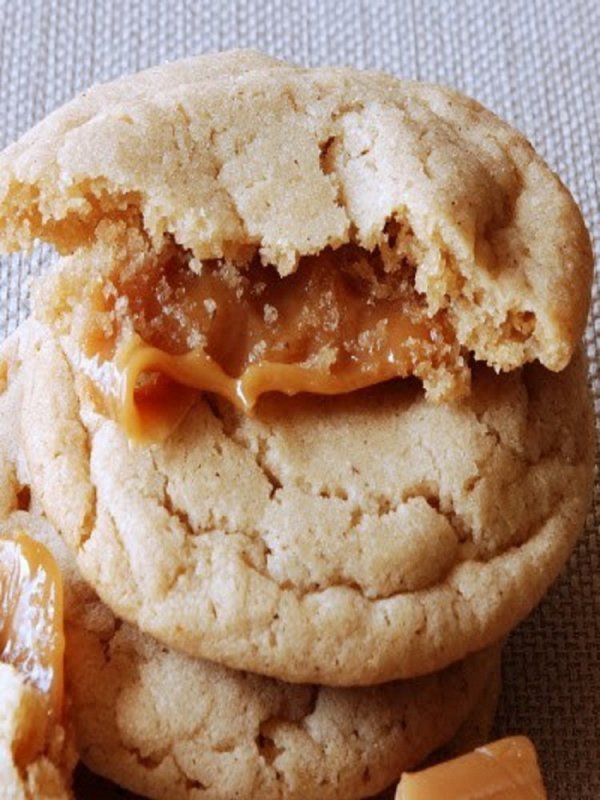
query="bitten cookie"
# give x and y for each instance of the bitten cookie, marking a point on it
(259, 226)
(341, 541)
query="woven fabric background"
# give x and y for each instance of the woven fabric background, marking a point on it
(535, 62)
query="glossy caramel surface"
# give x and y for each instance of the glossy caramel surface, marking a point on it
(503, 770)
(31, 615)
(344, 320)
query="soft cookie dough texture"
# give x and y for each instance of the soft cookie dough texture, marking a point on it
(169, 726)
(225, 154)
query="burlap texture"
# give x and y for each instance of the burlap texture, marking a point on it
(535, 63)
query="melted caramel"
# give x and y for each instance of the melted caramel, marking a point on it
(31, 616)
(503, 770)
(344, 320)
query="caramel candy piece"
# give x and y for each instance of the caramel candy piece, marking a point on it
(503, 770)
(31, 616)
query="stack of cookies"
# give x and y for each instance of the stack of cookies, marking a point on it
(301, 412)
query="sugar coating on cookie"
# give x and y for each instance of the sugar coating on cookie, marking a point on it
(343, 541)
(251, 227)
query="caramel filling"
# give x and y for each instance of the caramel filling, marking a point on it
(31, 616)
(346, 319)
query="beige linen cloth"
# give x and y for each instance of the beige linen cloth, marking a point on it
(534, 62)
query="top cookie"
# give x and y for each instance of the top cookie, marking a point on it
(439, 213)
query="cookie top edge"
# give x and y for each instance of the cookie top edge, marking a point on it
(297, 160)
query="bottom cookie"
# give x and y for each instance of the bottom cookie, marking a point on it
(171, 727)
(474, 731)
(477, 727)
(168, 726)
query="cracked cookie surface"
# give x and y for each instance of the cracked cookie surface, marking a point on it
(248, 157)
(340, 541)
(169, 726)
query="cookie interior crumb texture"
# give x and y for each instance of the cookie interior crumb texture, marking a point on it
(231, 206)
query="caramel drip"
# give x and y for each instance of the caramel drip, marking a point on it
(151, 409)
(343, 321)
(31, 616)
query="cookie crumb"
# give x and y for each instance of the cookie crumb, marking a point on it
(210, 306)
(195, 265)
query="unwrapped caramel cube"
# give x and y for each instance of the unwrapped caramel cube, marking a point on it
(504, 770)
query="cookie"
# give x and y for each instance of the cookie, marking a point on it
(474, 732)
(93, 675)
(36, 751)
(360, 228)
(167, 726)
(343, 541)
(477, 727)
(13, 495)
(35, 762)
